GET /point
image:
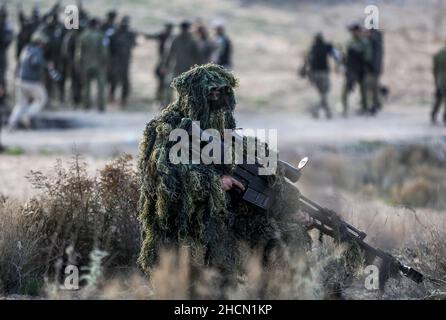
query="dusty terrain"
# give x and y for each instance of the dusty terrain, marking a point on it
(270, 39)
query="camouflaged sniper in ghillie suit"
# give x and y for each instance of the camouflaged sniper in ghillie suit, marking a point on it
(185, 204)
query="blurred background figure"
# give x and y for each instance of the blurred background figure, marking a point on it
(223, 51)
(317, 68)
(108, 27)
(92, 58)
(374, 71)
(122, 43)
(68, 52)
(54, 31)
(27, 26)
(355, 68)
(205, 45)
(31, 95)
(439, 71)
(6, 37)
(183, 52)
(164, 39)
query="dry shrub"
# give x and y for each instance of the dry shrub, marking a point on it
(71, 210)
(417, 192)
(412, 175)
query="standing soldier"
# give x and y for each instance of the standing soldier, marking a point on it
(108, 28)
(6, 35)
(355, 68)
(181, 56)
(183, 53)
(91, 57)
(121, 45)
(205, 45)
(27, 27)
(439, 70)
(68, 52)
(223, 53)
(164, 39)
(374, 71)
(318, 71)
(54, 32)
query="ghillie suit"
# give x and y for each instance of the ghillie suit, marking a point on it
(185, 204)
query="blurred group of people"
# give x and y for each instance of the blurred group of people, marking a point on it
(56, 63)
(362, 64)
(192, 46)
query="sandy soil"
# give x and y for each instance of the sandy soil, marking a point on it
(105, 136)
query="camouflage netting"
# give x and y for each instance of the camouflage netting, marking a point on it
(186, 205)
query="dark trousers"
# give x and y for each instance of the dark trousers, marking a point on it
(120, 78)
(352, 78)
(439, 98)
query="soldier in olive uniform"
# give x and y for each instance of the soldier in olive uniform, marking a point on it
(91, 57)
(184, 52)
(68, 52)
(121, 45)
(439, 70)
(164, 39)
(374, 69)
(356, 58)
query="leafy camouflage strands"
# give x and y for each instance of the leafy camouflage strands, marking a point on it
(186, 205)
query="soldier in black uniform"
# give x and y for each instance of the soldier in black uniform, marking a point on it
(319, 71)
(6, 35)
(223, 52)
(121, 45)
(108, 27)
(27, 27)
(356, 59)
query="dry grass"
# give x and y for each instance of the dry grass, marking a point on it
(72, 210)
(90, 221)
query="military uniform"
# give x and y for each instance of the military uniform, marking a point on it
(68, 52)
(356, 57)
(54, 32)
(374, 70)
(319, 72)
(185, 204)
(6, 36)
(439, 71)
(164, 39)
(183, 54)
(92, 56)
(27, 28)
(121, 45)
(109, 29)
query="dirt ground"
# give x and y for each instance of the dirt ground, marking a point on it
(270, 39)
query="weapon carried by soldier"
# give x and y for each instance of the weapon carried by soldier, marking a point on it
(258, 193)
